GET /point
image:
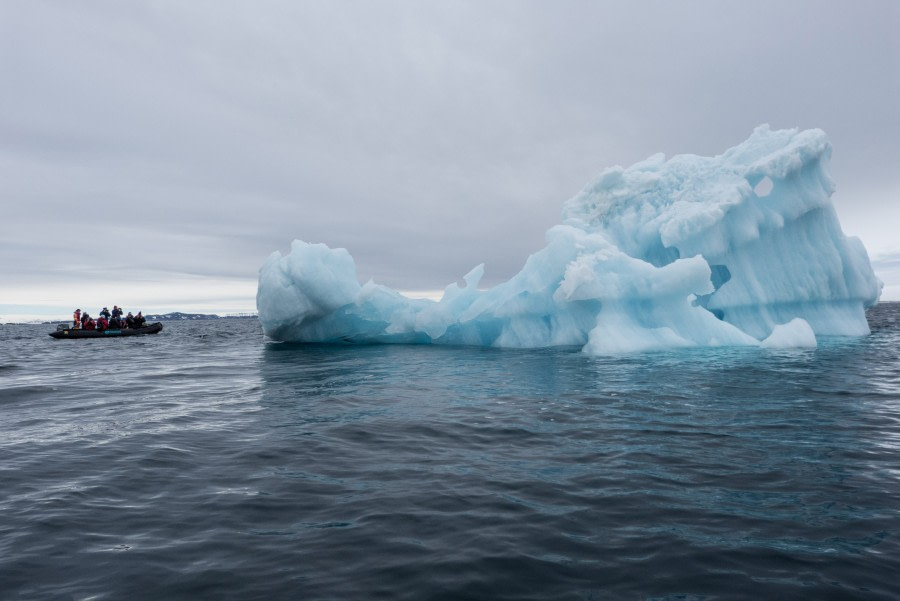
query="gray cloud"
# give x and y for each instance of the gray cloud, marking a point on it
(196, 138)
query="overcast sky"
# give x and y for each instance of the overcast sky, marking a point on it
(152, 154)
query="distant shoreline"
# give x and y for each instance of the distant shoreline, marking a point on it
(175, 316)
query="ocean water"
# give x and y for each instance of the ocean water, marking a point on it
(208, 463)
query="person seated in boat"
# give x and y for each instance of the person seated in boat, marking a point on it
(129, 320)
(115, 323)
(104, 313)
(90, 324)
(84, 318)
(76, 316)
(102, 323)
(139, 320)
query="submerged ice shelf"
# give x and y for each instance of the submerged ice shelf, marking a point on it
(744, 248)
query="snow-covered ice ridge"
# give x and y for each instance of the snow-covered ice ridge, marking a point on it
(744, 248)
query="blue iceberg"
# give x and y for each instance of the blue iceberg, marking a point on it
(744, 248)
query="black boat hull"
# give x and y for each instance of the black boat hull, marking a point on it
(152, 328)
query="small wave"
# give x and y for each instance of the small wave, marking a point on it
(17, 394)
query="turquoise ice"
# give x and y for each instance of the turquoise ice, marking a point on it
(744, 248)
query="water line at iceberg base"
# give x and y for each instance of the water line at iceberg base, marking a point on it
(744, 248)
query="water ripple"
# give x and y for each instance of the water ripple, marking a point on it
(205, 463)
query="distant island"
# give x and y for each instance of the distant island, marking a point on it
(179, 316)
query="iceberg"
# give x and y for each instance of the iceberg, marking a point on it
(744, 249)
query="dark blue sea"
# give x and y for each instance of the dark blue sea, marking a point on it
(207, 463)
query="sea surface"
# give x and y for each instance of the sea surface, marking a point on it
(208, 463)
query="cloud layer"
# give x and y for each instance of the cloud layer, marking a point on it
(172, 142)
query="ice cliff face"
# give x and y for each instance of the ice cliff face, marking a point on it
(739, 249)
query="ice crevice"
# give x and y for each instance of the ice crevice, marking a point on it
(743, 248)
